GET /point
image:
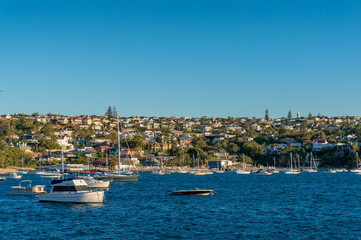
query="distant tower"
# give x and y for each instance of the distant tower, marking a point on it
(298, 115)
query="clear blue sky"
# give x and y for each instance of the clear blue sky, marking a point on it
(181, 58)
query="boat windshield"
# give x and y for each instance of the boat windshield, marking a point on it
(69, 188)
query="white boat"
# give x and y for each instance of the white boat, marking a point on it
(208, 172)
(181, 171)
(2, 178)
(274, 170)
(71, 191)
(51, 175)
(291, 170)
(118, 177)
(41, 172)
(312, 163)
(14, 176)
(25, 188)
(94, 183)
(262, 173)
(158, 172)
(331, 171)
(241, 171)
(197, 173)
(218, 171)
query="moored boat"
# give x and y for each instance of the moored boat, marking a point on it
(25, 188)
(262, 173)
(14, 176)
(71, 191)
(199, 192)
(244, 172)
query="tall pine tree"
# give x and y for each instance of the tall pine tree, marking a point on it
(289, 116)
(266, 116)
(109, 113)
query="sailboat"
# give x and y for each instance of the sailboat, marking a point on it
(312, 163)
(118, 177)
(274, 166)
(291, 170)
(219, 169)
(357, 169)
(197, 172)
(243, 170)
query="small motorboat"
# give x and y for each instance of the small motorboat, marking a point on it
(262, 173)
(25, 188)
(200, 192)
(244, 172)
(14, 176)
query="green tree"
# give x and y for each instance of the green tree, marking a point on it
(109, 113)
(289, 115)
(198, 142)
(232, 148)
(266, 115)
(309, 116)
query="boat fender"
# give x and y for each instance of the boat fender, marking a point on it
(90, 190)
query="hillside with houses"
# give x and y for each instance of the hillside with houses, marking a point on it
(38, 140)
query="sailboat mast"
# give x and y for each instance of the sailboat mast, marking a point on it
(299, 166)
(106, 159)
(291, 160)
(62, 161)
(118, 145)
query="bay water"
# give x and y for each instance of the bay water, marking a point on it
(306, 206)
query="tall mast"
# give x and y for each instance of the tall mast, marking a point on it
(106, 159)
(118, 145)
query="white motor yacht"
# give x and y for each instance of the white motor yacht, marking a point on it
(25, 188)
(71, 191)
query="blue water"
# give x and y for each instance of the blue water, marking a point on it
(306, 206)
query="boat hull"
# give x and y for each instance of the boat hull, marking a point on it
(119, 178)
(193, 192)
(73, 197)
